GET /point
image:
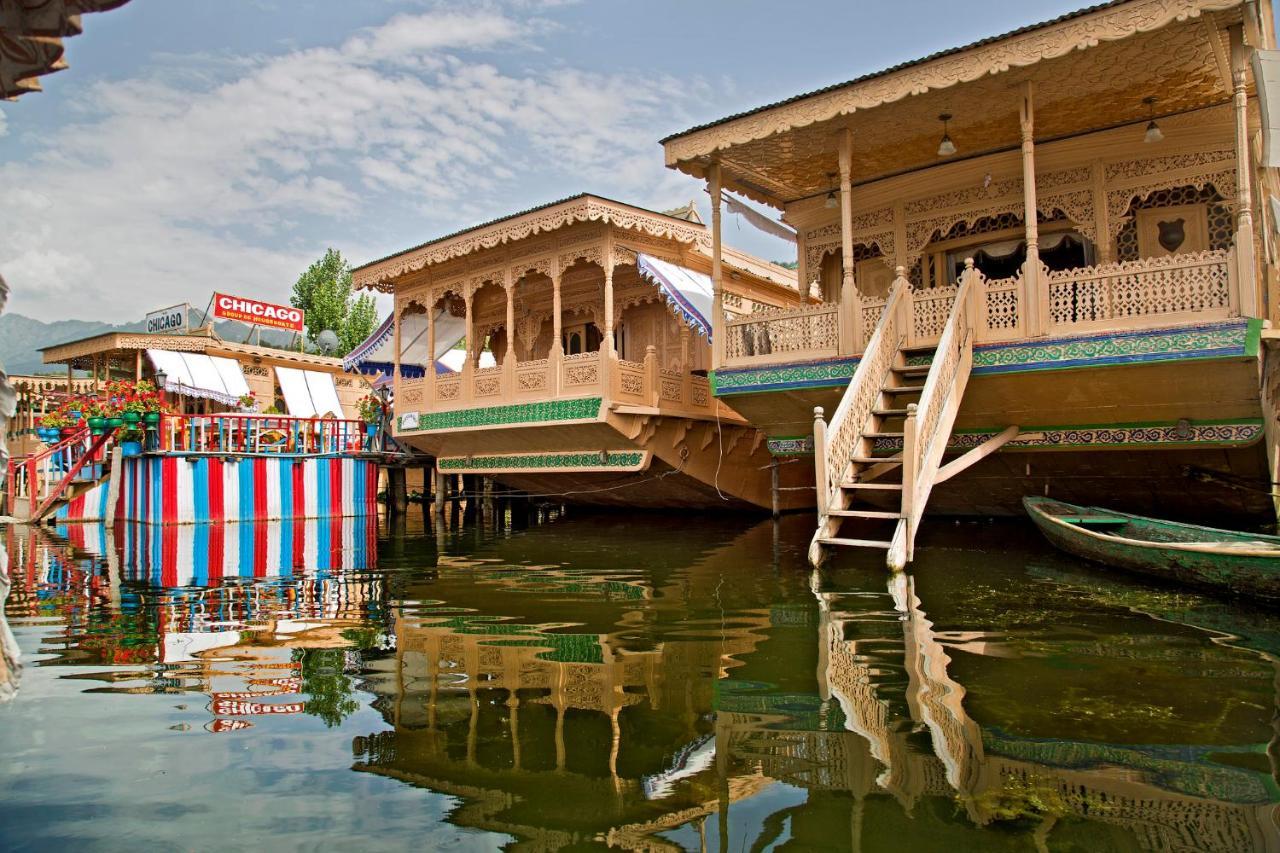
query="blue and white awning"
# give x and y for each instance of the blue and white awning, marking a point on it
(377, 352)
(687, 291)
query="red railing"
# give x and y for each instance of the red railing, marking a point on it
(265, 434)
(41, 477)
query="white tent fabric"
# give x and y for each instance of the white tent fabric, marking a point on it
(380, 346)
(308, 393)
(197, 375)
(688, 291)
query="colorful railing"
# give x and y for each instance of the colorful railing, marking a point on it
(37, 480)
(265, 435)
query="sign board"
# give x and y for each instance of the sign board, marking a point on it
(169, 321)
(258, 313)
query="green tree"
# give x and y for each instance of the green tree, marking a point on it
(324, 292)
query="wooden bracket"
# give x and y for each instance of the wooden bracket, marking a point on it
(972, 457)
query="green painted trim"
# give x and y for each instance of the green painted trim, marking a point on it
(790, 445)
(1217, 433)
(627, 460)
(1253, 337)
(582, 409)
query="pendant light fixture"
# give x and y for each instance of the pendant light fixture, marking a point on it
(1154, 133)
(832, 202)
(946, 147)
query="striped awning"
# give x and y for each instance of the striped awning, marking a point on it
(688, 291)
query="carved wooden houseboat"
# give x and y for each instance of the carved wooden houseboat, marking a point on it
(1057, 244)
(596, 313)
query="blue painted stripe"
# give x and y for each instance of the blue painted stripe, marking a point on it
(200, 555)
(357, 489)
(284, 469)
(157, 494)
(200, 482)
(246, 495)
(286, 546)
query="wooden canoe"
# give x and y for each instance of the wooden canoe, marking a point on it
(1246, 564)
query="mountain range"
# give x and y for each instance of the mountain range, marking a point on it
(22, 337)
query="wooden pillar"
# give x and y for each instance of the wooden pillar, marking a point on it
(137, 365)
(820, 462)
(1247, 274)
(70, 379)
(1036, 302)
(441, 487)
(509, 285)
(557, 345)
(1102, 244)
(468, 364)
(397, 493)
(850, 308)
(610, 353)
(396, 311)
(430, 378)
(717, 275)
(773, 488)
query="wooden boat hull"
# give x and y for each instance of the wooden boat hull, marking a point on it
(1244, 574)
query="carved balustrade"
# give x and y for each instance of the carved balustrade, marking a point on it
(1139, 294)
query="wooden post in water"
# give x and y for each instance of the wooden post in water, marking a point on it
(397, 492)
(773, 487)
(820, 462)
(440, 487)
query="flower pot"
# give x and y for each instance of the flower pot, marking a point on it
(131, 448)
(132, 418)
(69, 431)
(115, 422)
(151, 417)
(371, 429)
(74, 414)
(97, 423)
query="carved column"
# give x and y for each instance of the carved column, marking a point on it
(557, 345)
(1035, 302)
(607, 364)
(468, 364)
(717, 283)
(429, 392)
(509, 359)
(396, 310)
(850, 307)
(1246, 275)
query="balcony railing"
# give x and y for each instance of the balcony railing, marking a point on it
(628, 383)
(1127, 295)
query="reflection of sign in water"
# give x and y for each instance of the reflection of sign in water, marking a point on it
(169, 321)
(237, 708)
(221, 725)
(250, 695)
(258, 313)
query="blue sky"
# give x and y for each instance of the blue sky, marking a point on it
(195, 146)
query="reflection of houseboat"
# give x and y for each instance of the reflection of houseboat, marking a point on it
(597, 313)
(1101, 172)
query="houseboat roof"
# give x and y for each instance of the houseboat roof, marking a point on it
(681, 224)
(117, 344)
(1091, 69)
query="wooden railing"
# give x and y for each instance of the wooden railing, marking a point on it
(264, 435)
(841, 439)
(928, 423)
(31, 481)
(1125, 295)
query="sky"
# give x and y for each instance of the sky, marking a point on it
(195, 146)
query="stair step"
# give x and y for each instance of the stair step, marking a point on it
(890, 413)
(880, 487)
(865, 513)
(904, 389)
(857, 543)
(882, 435)
(912, 370)
(919, 348)
(878, 460)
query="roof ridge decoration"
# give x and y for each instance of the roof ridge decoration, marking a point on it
(1027, 46)
(585, 208)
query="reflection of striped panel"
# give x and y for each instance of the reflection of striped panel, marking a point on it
(189, 490)
(200, 554)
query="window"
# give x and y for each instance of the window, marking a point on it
(1059, 250)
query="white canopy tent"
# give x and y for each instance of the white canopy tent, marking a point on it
(379, 348)
(207, 377)
(308, 393)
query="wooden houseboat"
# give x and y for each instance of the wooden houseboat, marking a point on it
(1058, 244)
(596, 313)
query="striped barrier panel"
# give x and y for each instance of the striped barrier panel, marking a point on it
(177, 489)
(89, 506)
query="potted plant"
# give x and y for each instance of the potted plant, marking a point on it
(370, 409)
(248, 402)
(130, 442)
(96, 416)
(51, 424)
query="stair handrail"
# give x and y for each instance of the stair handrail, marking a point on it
(928, 427)
(28, 468)
(844, 431)
(69, 476)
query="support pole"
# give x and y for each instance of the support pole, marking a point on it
(441, 487)
(1036, 302)
(430, 391)
(395, 354)
(850, 308)
(1247, 273)
(717, 281)
(557, 344)
(773, 488)
(472, 352)
(820, 462)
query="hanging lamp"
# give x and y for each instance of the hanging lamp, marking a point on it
(1153, 134)
(946, 147)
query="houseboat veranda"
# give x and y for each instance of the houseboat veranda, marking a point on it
(598, 316)
(1058, 244)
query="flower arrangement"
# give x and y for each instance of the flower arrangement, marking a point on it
(370, 409)
(248, 402)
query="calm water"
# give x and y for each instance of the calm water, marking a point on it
(635, 682)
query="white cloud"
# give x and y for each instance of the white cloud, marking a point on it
(172, 184)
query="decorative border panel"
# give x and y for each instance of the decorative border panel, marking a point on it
(800, 445)
(576, 461)
(1242, 432)
(582, 409)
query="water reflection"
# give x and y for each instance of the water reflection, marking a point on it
(599, 681)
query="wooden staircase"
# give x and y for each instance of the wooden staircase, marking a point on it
(903, 393)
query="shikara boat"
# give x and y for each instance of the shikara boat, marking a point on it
(1246, 564)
